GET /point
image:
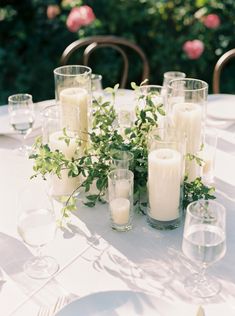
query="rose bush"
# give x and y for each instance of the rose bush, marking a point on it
(34, 33)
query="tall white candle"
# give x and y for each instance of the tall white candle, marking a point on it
(187, 118)
(74, 104)
(164, 180)
(120, 210)
(64, 185)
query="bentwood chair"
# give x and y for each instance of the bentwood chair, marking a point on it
(125, 48)
(222, 61)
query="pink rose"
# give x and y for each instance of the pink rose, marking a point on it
(212, 21)
(52, 11)
(78, 17)
(193, 49)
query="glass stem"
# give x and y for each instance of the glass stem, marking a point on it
(23, 140)
(202, 272)
(39, 252)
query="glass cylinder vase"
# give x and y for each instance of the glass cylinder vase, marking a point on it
(66, 142)
(73, 94)
(186, 103)
(120, 188)
(165, 179)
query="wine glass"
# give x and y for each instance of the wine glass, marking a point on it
(36, 225)
(21, 111)
(204, 242)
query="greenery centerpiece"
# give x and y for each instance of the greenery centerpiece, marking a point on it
(105, 138)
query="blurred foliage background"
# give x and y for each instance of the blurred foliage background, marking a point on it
(32, 39)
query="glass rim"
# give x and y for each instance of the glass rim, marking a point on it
(204, 83)
(112, 173)
(49, 107)
(151, 86)
(27, 97)
(129, 155)
(57, 71)
(96, 76)
(192, 204)
(174, 72)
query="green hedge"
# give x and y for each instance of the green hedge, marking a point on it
(31, 43)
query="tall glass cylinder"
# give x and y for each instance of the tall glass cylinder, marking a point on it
(73, 94)
(165, 179)
(171, 75)
(62, 185)
(186, 102)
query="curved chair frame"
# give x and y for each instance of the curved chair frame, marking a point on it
(222, 61)
(95, 42)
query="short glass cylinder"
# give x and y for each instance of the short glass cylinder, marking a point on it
(208, 155)
(73, 94)
(96, 86)
(165, 179)
(186, 106)
(120, 188)
(57, 139)
(171, 75)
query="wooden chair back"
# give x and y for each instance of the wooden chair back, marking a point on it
(121, 45)
(222, 61)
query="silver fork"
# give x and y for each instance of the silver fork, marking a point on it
(50, 311)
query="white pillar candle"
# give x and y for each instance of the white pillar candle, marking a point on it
(120, 210)
(74, 104)
(164, 180)
(122, 188)
(187, 118)
(64, 185)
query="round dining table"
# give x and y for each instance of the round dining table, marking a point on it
(102, 271)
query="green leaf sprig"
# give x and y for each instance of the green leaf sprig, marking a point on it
(196, 190)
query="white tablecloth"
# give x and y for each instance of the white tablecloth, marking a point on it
(93, 258)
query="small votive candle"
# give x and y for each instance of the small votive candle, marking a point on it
(120, 210)
(120, 189)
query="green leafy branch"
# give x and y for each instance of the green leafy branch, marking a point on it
(104, 139)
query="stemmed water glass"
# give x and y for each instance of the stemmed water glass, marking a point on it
(21, 111)
(36, 225)
(204, 242)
